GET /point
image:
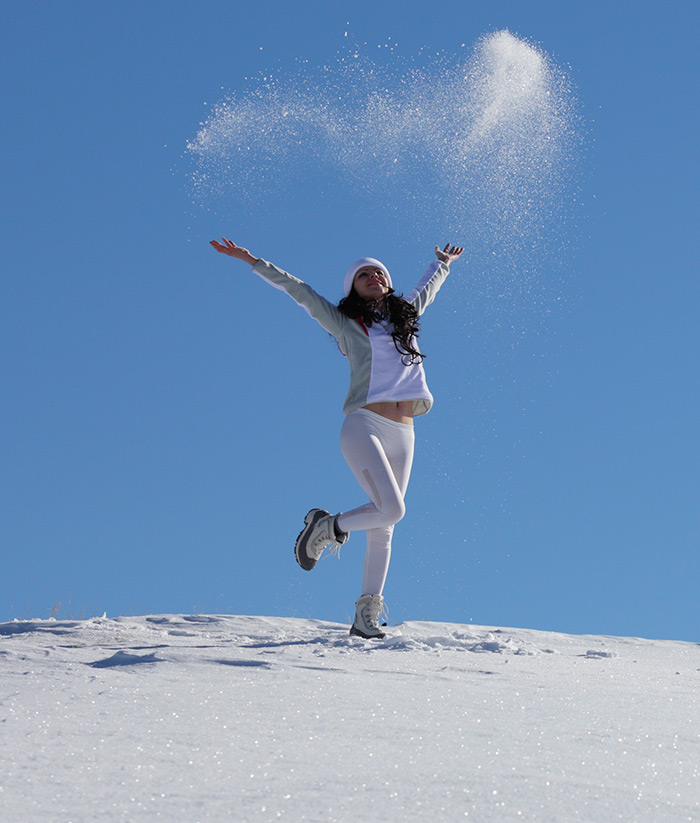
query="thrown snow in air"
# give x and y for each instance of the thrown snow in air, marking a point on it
(480, 149)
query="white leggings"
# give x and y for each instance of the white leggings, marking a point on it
(379, 452)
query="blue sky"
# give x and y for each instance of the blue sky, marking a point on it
(167, 420)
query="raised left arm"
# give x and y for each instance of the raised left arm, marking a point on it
(424, 293)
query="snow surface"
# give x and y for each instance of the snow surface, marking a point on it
(218, 718)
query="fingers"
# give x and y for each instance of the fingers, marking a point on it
(227, 247)
(451, 251)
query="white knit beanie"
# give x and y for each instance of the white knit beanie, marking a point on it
(360, 264)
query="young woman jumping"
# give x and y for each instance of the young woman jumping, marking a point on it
(377, 330)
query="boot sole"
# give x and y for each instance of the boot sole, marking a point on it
(307, 563)
(355, 632)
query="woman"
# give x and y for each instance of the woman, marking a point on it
(376, 330)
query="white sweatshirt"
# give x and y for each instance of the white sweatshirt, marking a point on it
(377, 371)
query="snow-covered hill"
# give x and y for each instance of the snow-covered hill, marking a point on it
(217, 718)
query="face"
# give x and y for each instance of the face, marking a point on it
(371, 283)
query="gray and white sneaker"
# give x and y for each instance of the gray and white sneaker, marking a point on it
(318, 534)
(368, 610)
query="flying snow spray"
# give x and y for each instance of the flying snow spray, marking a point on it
(478, 151)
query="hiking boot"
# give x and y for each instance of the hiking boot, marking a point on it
(368, 610)
(318, 534)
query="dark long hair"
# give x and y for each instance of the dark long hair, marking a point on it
(400, 313)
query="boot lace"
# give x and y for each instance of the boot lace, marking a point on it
(326, 541)
(374, 611)
(321, 543)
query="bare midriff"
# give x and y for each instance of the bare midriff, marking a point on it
(401, 411)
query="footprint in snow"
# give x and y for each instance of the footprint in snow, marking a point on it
(125, 659)
(595, 654)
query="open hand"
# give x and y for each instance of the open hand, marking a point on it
(448, 254)
(230, 248)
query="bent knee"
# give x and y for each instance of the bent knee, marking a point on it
(394, 510)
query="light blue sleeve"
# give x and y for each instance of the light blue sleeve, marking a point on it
(424, 293)
(322, 310)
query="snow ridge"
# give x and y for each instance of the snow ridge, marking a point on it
(218, 717)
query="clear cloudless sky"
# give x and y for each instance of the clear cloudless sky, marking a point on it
(167, 419)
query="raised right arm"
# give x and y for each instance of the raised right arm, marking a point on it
(323, 311)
